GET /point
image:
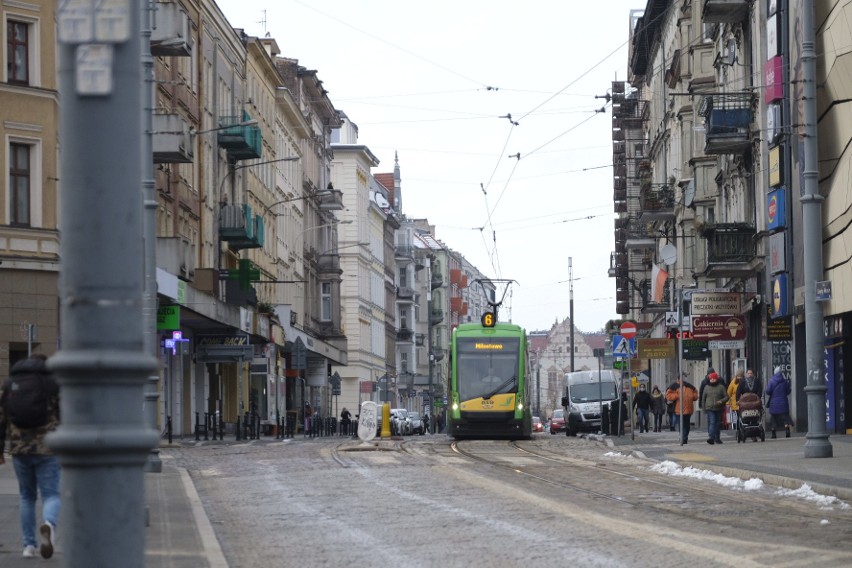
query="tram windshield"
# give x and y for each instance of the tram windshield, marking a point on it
(486, 366)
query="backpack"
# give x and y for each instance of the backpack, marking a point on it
(25, 400)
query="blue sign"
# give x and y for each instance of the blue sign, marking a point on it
(622, 347)
(780, 295)
(776, 209)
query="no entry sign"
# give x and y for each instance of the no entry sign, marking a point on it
(628, 330)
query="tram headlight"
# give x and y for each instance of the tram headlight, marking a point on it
(520, 406)
(455, 406)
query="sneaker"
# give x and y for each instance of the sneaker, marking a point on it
(710, 441)
(29, 551)
(47, 537)
(718, 441)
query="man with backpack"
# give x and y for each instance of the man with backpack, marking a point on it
(29, 410)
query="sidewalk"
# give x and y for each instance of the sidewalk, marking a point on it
(780, 461)
(178, 534)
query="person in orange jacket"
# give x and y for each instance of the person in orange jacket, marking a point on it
(683, 407)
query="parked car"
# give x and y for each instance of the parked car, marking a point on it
(415, 423)
(537, 425)
(399, 424)
(557, 421)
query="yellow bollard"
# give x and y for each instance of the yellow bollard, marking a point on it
(386, 430)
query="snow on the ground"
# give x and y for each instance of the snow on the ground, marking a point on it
(753, 484)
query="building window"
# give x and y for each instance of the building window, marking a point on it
(403, 277)
(325, 301)
(17, 52)
(20, 171)
(403, 318)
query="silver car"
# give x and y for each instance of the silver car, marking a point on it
(399, 423)
(415, 423)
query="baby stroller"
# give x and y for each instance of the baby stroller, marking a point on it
(750, 423)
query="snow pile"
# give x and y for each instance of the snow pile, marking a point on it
(805, 492)
(673, 469)
(617, 455)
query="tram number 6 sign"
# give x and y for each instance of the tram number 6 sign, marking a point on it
(488, 319)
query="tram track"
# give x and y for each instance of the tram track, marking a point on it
(654, 493)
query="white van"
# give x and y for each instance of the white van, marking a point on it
(585, 393)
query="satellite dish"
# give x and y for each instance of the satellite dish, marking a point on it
(689, 193)
(381, 201)
(668, 254)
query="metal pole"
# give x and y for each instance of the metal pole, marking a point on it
(432, 405)
(102, 366)
(680, 358)
(149, 237)
(571, 308)
(600, 394)
(538, 383)
(816, 444)
(630, 377)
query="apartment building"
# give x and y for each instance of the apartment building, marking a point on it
(29, 186)
(708, 151)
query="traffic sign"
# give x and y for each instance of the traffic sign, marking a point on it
(622, 347)
(628, 330)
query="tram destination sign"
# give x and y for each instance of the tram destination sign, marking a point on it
(716, 303)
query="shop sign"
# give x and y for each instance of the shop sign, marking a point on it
(780, 295)
(718, 328)
(773, 79)
(716, 303)
(168, 318)
(777, 253)
(656, 348)
(776, 167)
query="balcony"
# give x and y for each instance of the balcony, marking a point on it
(657, 203)
(329, 263)
(172, 36)
(436, 317)
(731, 251)
(330, 330)
(330, 199)
(725, 11)
(640, 236)
(172, 143)
(437, 280)
(403, 252)
(456, 305)
(241, 142)
(727, 122)
(650, 304)
(405, 293)
(240, 228)
(404, 335)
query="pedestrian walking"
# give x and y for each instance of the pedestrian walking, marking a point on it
(777, 391)
(713, 402)
(733, 403)
(704, 382)
(658, 408)
(750, 384)
(29, 410)
(345, 421)
(642, 406)
(683, 407)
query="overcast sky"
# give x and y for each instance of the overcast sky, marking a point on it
(436, 82)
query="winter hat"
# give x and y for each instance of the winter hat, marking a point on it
(777, 369)
(713, 377)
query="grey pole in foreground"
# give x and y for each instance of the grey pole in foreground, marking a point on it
(103, 441)
(149, 239)
(816, 444)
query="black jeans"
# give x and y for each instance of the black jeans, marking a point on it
(658, 422)
(684, 432)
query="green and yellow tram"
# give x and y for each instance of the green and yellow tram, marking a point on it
(489, 381)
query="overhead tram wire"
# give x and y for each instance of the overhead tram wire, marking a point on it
(402, 49)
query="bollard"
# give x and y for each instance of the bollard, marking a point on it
(197, 426)
(605, 419)
(169, 428)
(206, 425)
(237, 428)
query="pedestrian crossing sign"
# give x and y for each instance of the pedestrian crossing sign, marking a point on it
(621, 347)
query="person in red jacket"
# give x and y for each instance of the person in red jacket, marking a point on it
(683, 406)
